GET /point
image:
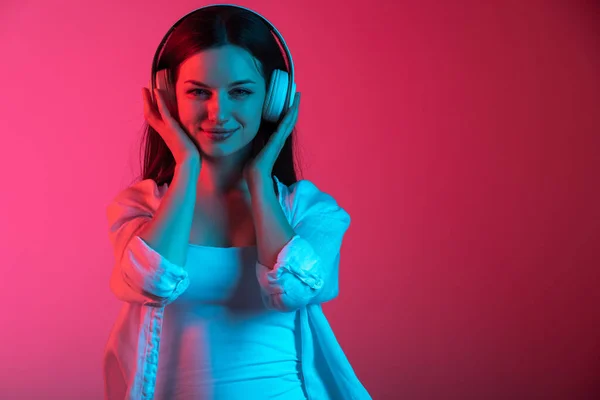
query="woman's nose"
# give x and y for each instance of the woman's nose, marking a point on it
(218, 108)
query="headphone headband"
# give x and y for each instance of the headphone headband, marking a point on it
(288, 55)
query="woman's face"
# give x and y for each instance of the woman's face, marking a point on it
(221, 88)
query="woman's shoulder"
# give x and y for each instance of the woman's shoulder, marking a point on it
(144, 194)
(145, 187)
(305, 197)
(305, 189)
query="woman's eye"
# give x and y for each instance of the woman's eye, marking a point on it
(195, 91)
(236, 92)
(243, 91)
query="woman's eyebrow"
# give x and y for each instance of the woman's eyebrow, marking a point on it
(198, 83)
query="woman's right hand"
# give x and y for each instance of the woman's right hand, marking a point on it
(180, 144)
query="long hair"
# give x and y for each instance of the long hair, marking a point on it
(207, 29)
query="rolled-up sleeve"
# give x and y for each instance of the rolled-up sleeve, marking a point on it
(307, 267)
(140, 274)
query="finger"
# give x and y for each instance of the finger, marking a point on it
(272, 149)
(159, 103)
(288, 122)
(277, 140)
(296, 111)
(149, 112)
(162, 106)
(275, 143)
(295, 107)
(297, 100)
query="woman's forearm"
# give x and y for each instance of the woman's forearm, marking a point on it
(168, 232)
(273, 230)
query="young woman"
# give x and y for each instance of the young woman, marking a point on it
(223, 258)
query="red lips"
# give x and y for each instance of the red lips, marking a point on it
(218, 130)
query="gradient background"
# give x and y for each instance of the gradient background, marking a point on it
(461, 138)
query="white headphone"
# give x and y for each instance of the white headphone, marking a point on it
(281, 89)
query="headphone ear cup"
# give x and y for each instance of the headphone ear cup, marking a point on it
(275, 98)
(163, 82)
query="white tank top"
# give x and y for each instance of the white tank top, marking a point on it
(218, 341)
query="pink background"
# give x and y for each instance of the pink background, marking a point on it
(462, 139)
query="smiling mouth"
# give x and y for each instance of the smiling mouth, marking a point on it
(219, 136)
(218, 131)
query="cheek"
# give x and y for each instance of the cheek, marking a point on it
(250, 113)
(187, 111)
(258, 105)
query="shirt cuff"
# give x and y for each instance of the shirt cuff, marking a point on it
(149, 271)
(297, 261)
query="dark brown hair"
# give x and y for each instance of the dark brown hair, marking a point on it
(207, 29)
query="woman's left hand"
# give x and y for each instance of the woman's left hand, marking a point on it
(261, 166)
